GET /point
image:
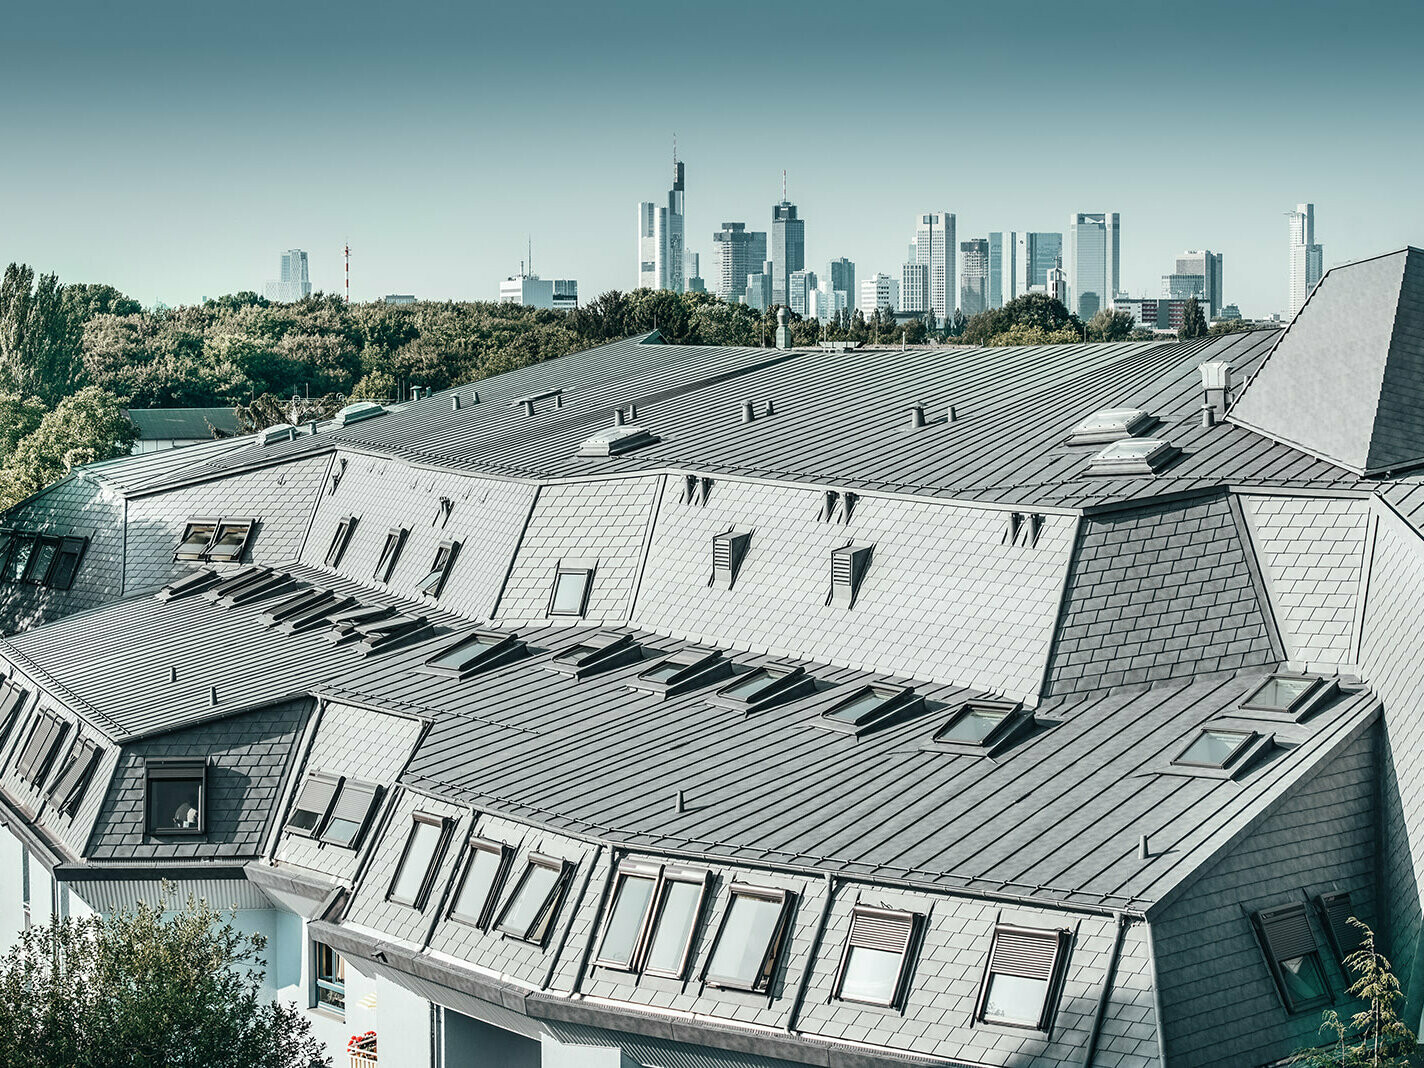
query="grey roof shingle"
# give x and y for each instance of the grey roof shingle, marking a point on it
(184, 424)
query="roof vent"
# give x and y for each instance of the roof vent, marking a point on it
(354, 413)
(528, 401)
(272, 435)
(614, 440)
(1140, 456)
(848, 566)
(1110, 424)
(1216, 384)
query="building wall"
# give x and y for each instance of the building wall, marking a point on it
(944, 598)
(1220, 1005)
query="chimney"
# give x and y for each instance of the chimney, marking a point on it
(1216, 383)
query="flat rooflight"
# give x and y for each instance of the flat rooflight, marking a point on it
(1110, 424)
(1214, 748)
(1133, 456)
(869, 706)
(614, 440)
(1290, 696)
(354, 413)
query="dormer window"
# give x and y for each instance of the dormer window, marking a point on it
(597, 652)
(390, 553)
(340, 538)
(728, 550)
(1290, 697)
(176, 795)
(870, 706)
(763, 687)
(848, 566)
(434, 579)
(573, 579)
(1110, 424)
(472, 653)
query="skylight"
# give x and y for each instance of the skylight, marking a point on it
(533, 905)
(683, 671)
(573, 580)
(1134, 456)
(394, 630)
(1110, 424)
(1214, 748)
(196, 536)
(597, 652)
(1290, 697)
(229, 542)
(982, 728)
(434, 580)
(298, 604)
(46, 732)
(766, 685)
(415, 873)
(873, 967)
(197, 582)
(870, 706)
(615, 440)
(750, 939)
(354, 413)
(472, 653)
(220, 541)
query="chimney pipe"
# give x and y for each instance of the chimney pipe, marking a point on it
(953, 415)
(1216, 383)
(748, 412)
(1144, 852)
(917, 416)
(632, 413)
(455, 402)
(172, 672)
(619, 419)
(213, 695)
(680, 801)
(1208, 415)
(770, 407)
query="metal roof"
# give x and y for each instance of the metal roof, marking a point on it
(184, 423)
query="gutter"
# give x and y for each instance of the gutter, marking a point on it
(815, 947)
(1161, 1027)
(1091, 1050)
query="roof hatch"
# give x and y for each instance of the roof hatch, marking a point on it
(1110, 424)
(1138, 456)
(613, 440)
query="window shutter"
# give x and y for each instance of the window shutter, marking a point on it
(1338, 910)
(1021, 953)
(11, 701)
(1287, 932)
(353, 804)
(67, 792)
(316, 795)
(883, 931)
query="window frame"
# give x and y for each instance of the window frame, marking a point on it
(234, 554)
(34, 574)
(177, 768)
(547, 914)
(505, 855)
(1334, 909)
(1263, 921)
(372, 792)
(190, 528)
(792, 682)
(898, 701)
(1053, 987)
(322, 980)
(445, 555)
(702, 879)
(443, 827)
(12, 706)
(1014, 722)
(697, 666)
(772, 955)
(390, 555)
(585, 568)
(317, 778)
(70, 547)
(340, 540)
(1319, 693)
(1243, 746)
(495, 648)
(596, 652)
(629, 869)
(22, 547)
(913, 926)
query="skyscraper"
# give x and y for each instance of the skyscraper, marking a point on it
(788, 247)
(293, 284)
(1306, 257)
(878, 291)
(661, 263)
(1038, 253)
(1004, 270)
(974, 285)
(739, 253)
(1197, 274)
(841, 276)
(799, 288)
(915, 288)
(934, 247)
(695, 284)
(1093, 267)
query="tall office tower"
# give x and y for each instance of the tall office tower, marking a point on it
(841, 276)
(1056, 283)
(788, 247)
(661, 238)
(878, 291)
(1004, 269)
(1306, 257)
(740, 252)
(293, 284)
(799, 288)
(695, 284)
(1197, 274)
(934, 247)
(915, 288)
(1093, 264)
(974, 284)
(1038, 253)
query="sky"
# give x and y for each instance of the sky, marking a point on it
(175, 149)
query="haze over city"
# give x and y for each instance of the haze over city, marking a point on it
(175, 155)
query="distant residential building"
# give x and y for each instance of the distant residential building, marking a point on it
(1157, 313)
(1038, 253)
(535, 292)
(1307, 259)
(695, 284)
(740, 252)
(171, 428)
(1093, 263)
(758, 292)
(399, 298)
(788, 249)
(1004, 276)
(293, 283)
(800, 286)
(914, 288)
(1056, 283)
(879, 291)
(840, 275)
(661, 238)
(974, 283)
(934, 246)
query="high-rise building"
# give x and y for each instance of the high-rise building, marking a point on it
(934, 247)
(293, 283)
(661, 238)
(695, 284)
(788, 248)
(757, 295)
(878, 291)
(840, 275)
(740, 252)
(1038, 253)
(826, 302)
(915, 288)
(1004, 269)
(1307, 259)
(1056, 283)
(1197, 274)
(799, 288)
(1093, 262)
(974, 281)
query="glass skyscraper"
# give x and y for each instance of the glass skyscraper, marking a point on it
(788, 249)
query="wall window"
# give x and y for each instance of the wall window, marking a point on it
(196, 536)
(351, 813)
(74, 776)
(533, 905)
(340, 538)
(1022, 977)
(41, 747)
(751, 939)
(1293, 957)
(1337, 911)
(485, 867)
(434, 579)
(313, 804)
(390, 553)
(328, 979)
(176, 790)
(419, 860)
(572, 582)
(875, 965)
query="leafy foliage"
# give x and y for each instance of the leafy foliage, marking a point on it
(1038, 312)
(1110, 324)
(1375, 1037)
(1238, 326)
(88, 426)
(1193, 321)
(163, 984)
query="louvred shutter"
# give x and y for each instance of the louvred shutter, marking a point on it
(1287, 932)
(872, 930)
(1028, 955)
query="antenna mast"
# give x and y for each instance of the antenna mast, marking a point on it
(783, 186)
(348, 274)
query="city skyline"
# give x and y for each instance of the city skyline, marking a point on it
(231, 171)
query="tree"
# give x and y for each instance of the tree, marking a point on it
(1238, 326)
(931, 323)
(164, 984)
(1110, 324)
(296, 410)
(1037, 310)
(1193, 321)
(81, 429)
(1375, 1037)
(915, 332)
(1034, 335)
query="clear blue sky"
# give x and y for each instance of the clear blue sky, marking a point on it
(174, 149)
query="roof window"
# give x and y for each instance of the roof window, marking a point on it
(1293, 957)
(218, 541)
(390, 553)
(313, 804)
(595, 653)
(345, 622)
(1022, 980)
(1221, 752)
(357, 411)
(728, 550)
(248, 586)
(340, 538)
(573, 579)
(419, 861)
(318, 612)
(386, 633)
(197, 582)
(874, 966)
(434, 580)
(651, 918)
(47, 560)
(299, 603)
(533, 905)
(12, 700)
(41, 747)
(982, 728)
(196, 537)
(1337, 912)
(751, 939)
(1290, 697)
(66, 563)
(472, 653)
(350, 813)
(74, 776)
(175, 795)
(18, 557)
(762, 687)
(627, 914)
(682, 671)
(870, 706)
(486, 867)
(848, 566)
(1135, 456)
(1110, 424)
(616, 440)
